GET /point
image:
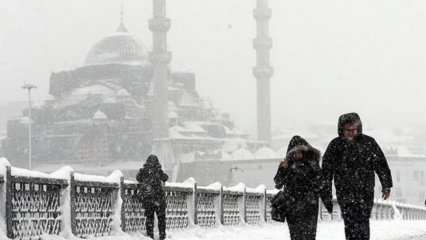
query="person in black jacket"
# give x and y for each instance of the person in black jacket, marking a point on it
(151, 179)
(351, 161)
(300, 175)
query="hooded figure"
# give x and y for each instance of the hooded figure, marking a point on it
(351, 160)
(151, 179)
(299, 174)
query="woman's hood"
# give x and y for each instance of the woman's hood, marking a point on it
(152, 162)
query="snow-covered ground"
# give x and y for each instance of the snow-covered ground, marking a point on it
(380, 230)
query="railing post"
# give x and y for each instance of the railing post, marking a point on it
(9, 202)
(220, 212)
(122, 215)
(72, 205)
(194, 204)
(3, 198)
(263, 209)
(116, 200)
(243, 208)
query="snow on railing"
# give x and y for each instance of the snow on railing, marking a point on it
(71, 204)
(382, 210)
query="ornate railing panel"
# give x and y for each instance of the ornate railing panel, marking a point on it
(231, 209)
(177, 211)
(133, 213)
(93, 212)
(206, 209)
(268, 217)
(253, 206)
(34, 207)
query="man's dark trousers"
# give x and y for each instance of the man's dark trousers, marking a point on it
(356, 217)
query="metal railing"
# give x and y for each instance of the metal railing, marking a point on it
(35, 206)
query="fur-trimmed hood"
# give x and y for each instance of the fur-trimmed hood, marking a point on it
(349, 118)
(298, 143)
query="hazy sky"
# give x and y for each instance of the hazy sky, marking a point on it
(329, 56)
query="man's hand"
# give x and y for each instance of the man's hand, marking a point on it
(284, 163)
(386, 194)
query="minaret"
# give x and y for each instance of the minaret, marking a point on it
(263, 71)
(160, 59)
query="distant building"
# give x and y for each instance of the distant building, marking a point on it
(408, 173)
(409, 179)
(8, 111)
(102, 112)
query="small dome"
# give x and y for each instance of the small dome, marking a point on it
(224, 155)
(242, 154)
(173, 115)
(120, 48)
(123, 93)
(99, 115)
(265, 153)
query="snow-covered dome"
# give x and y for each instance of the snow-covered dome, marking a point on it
(121, 48)
(242, 154)
(99, 115)
(173, 115)
(265, 152)
(123, 93)
(224, 156)
(233, 144)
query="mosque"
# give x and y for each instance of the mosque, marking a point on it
(124, 102)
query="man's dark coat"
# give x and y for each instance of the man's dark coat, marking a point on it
(352, 164)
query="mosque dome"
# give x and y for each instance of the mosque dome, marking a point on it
(265, 152)
(120, 48)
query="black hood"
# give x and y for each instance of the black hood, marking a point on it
(298, 143)
(152, 162)
(349, 118)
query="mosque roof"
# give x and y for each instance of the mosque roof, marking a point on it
(119, 48)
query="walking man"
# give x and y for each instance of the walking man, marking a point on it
(351, 160)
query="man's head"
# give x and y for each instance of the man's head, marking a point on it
(350, 131)
(349, 126)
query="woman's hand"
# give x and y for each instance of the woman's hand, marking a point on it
(284, 163)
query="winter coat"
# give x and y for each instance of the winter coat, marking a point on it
(153, 173)
(300, 180)
(352, 164)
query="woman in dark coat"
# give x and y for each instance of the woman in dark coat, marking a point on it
(151, 179)
(299, 174)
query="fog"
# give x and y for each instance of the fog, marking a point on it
(329, 57)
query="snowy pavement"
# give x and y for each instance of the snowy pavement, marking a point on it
(380, 230)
